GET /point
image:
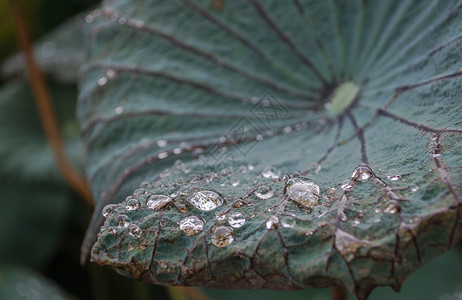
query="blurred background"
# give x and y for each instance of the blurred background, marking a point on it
(42, 221)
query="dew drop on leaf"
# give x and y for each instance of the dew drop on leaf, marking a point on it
(134, 230)
(158, 201)
(123, 221)
(132, 204)
(263, 192)
(305, 193)
(288, 222)
(108, 210)
(236, 220)
(206, 200)
(222, 236)
(271, 172)
(191, 225)
(272, 222)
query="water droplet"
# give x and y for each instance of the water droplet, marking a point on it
(132, 204)
(110, 73)
(376, 219)
(181, 207)
(263, 192)
(287, 129)
(236, 220)
(288, 222)
(304, 193)
(222, 236)
(102, 81)
(238, 204)
(272, 222)
(177, 150)
(314, 167)
(347, 185)
(134, 230)
(162, 143)
(122, 21)
(108, 210)
(209, 177)
(234, 182)
(194, 178)
(356, 222)
(392, 207)
(139, 192)
(89, 18)
(414, 188)
(393, 175)
(192, 225)
(252, 215)
(111, 230)
(220, 216)
(162, 155)
(271, 172)
(361, 174)
(250, 167)
(123, 221)
(206, 200)
(343, 216)
(158, 201)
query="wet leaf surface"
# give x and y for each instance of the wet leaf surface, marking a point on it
(333, 128)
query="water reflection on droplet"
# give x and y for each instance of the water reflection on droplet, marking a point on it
(236, 220)
(304, 192)
(161, 143)
(234, 182)
(288, 222)
(392, 207)
(271, 172)
(108, 210)
(192, 225)
(361, 174)
(139, 192)
(206, 200)
(393, 175)
(314, 167)
(134, 230)
(119, 109)
(263, 192)
(132, 204)
(158, 201)
(102, 81)
(272, 222)
(222, 236)
(347, 185)
(414, 188)
(123, 221)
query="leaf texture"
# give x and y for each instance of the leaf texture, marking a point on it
(228, 106)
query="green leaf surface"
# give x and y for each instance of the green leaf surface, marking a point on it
(211, 104)
(19, 283)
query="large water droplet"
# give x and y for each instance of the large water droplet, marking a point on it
(288, 222)
(222, 236)
(158, 201)
(206, 200)
(263, 192)
(304, 193)
(134, 231)
(108, 210)
(236, 220)
(272, 222)
(361, 174)
(271, 172)
(123, 221)
(132, 204)
(192, 225)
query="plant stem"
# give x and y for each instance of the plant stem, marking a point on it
(45, 108)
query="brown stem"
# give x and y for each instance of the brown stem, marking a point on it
(45, 109)
(338, 293)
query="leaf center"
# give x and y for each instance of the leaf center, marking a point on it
(342, 97)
